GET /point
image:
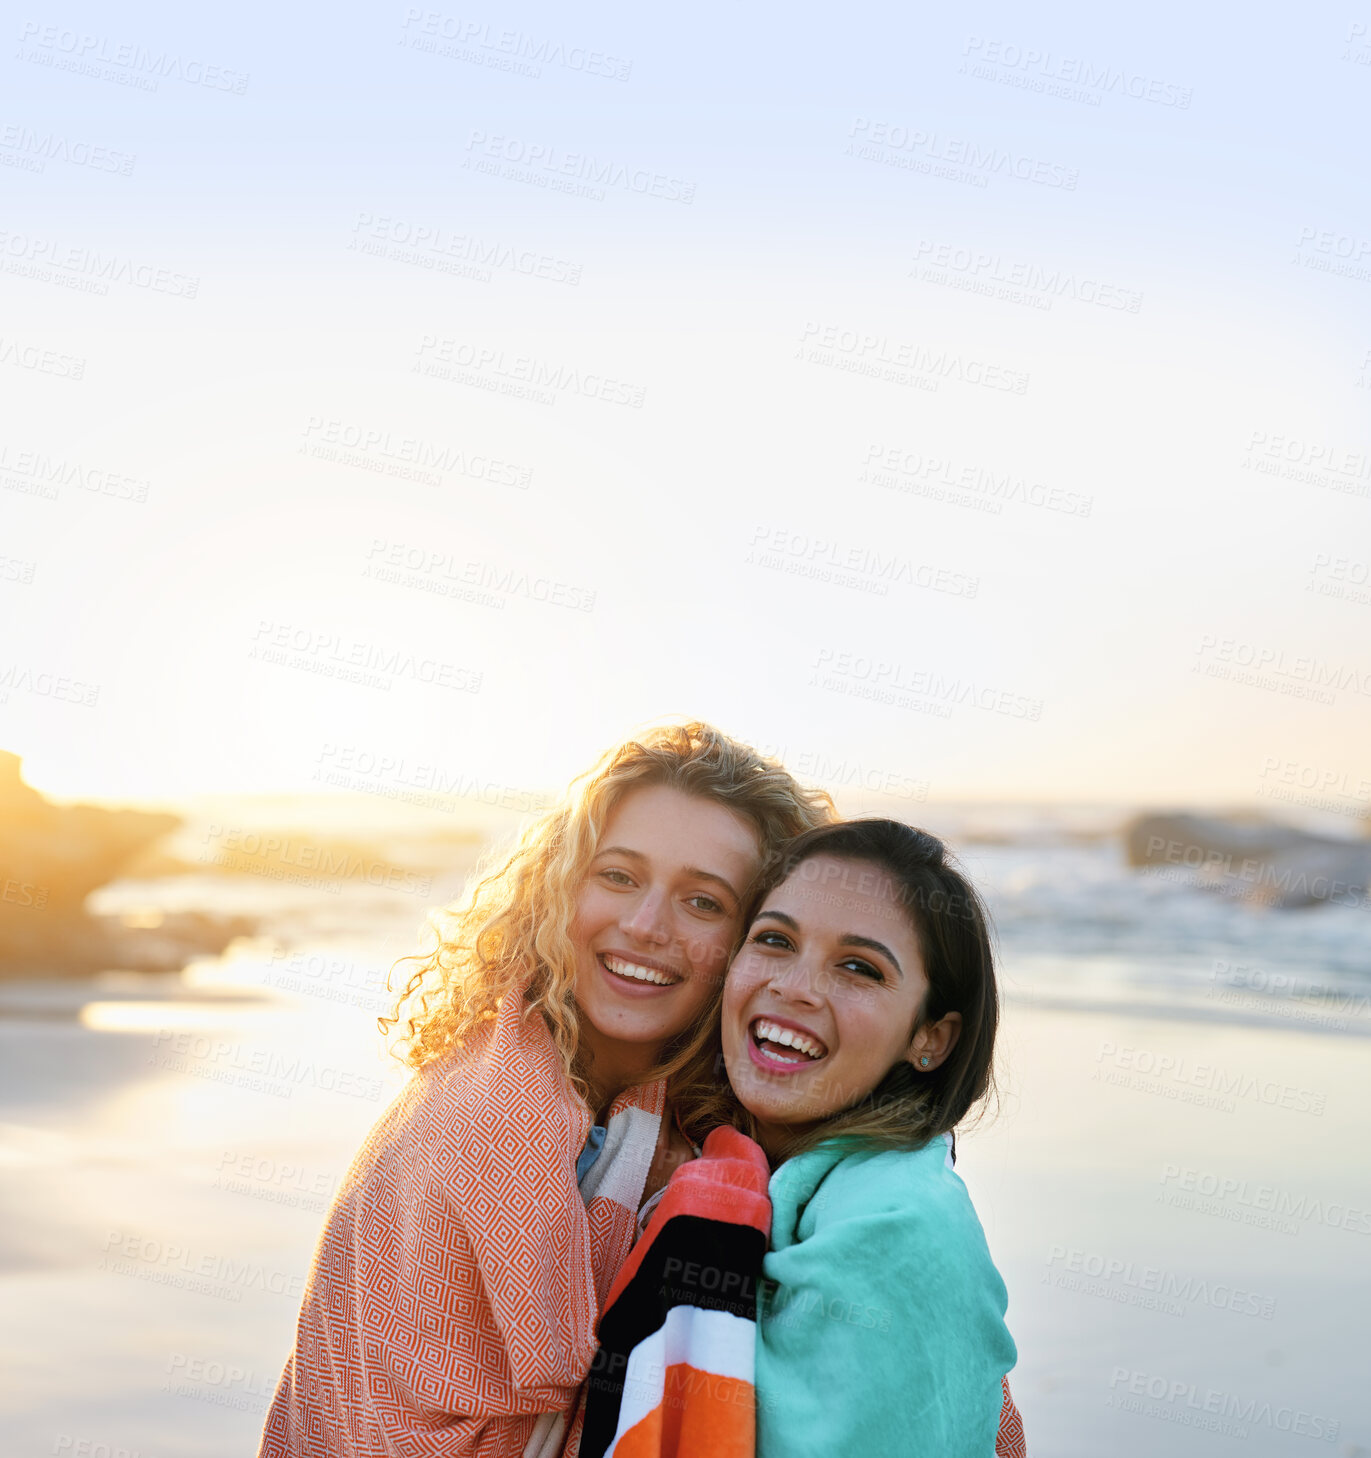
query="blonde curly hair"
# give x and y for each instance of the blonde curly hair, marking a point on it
(511, 930)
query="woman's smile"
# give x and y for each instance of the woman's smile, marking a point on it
(777, 1045)
(643, 973)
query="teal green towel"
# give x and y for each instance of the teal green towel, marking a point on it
(881, 1323)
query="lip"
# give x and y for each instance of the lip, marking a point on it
(777, 1066)
(626, 986)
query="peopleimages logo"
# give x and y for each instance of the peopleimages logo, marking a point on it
(350, 443)
(872, 570)
(1152, 1287)
(510, 49)
(27, 356)
(261, 1069)
(523, 375)
(902, 361)
(80, 51)
(169, 1263)
(1070, 77)
(875, 140)
(927, 684)
(842, 773)
(898, 469)
(49, 473)
(98, 268)
(1212, 1193)
(1194, 1406)
(549, 165)
(222, 1383)
(431, 245)
(355, 767)
(34, 150)
(1033, 280)
(1174, 1075)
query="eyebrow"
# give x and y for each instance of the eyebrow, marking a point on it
(850, 940)
(694, 872)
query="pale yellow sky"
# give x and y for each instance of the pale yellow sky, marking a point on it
(1012, 489)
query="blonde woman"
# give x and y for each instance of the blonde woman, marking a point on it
(452, 1303)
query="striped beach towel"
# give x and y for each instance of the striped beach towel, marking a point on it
(673, 1373)
(673, 1376)
(450, 1311)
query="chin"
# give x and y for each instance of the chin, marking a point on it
(761, 1102)
(627, 1032)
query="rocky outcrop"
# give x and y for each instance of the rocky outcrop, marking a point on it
(1274, 865)
(52, 857)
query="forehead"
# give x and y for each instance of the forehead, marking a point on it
(667, 826)
(830, 893)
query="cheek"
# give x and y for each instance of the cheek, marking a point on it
(730, 1003)
(707, 948)
(742, 981)
(854, 1028)
(731, 1018)
(589, 918)
(871, 1030)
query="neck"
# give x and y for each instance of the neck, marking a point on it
(613, 1066)
(777, 1140)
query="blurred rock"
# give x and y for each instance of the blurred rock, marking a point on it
(1275, 865)
(52, 857)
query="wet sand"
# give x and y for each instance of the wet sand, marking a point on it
(1182, 1214)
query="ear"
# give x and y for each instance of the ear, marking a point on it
(935, 1042)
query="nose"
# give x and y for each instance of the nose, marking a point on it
(648, 919)
(798, 982)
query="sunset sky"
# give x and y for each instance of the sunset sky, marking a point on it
(904, 413)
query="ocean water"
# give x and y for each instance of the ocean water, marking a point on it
(1078, 918)
(1069, 912)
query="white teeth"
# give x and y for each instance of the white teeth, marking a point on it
(788, 1038)
(640, 974)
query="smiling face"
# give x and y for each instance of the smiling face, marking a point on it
(656, 918)
(822, 999)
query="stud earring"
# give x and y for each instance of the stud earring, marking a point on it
(923, 1062)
